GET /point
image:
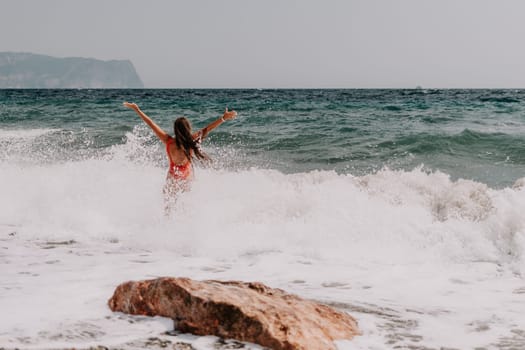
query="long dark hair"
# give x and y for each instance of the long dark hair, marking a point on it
(184, 139)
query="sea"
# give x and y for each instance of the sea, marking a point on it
(404, 208)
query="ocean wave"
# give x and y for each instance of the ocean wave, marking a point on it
(496, 145)
(499, 99)
(404, 216)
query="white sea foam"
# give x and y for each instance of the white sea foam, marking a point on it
(319, 214)
(418, 258)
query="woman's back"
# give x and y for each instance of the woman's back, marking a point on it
(176, 154)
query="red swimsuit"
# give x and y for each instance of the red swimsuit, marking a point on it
(178, 172)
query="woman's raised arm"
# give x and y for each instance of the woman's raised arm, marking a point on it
(161, 134)
(201, 134)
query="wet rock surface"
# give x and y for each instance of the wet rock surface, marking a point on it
(249, 312)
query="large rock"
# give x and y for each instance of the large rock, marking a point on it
(249, 312)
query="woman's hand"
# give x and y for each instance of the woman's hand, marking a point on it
(131, 105)
(229, 115)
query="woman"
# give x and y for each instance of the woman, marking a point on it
(181, 148)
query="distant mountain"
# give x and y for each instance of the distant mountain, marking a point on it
(27, 70)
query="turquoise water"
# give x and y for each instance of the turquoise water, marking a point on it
(471, 134)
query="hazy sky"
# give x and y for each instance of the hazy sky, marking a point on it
(281, 43)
